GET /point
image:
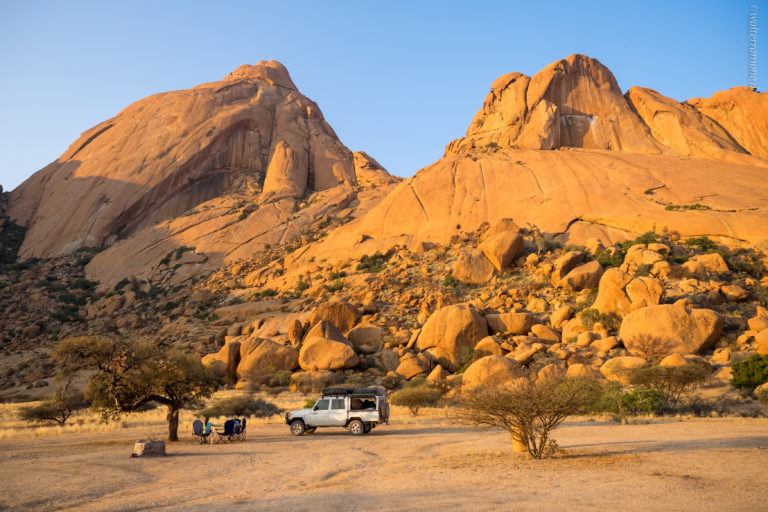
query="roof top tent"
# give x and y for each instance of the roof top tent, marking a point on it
(355, 392)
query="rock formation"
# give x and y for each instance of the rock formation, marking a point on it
(743, 113)
(626, 164)
(215, 167)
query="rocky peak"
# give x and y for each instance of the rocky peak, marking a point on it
(574, 102)
(270, 71)
(164, 155)
(743, 112)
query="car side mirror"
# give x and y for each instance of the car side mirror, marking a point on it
(314, 408)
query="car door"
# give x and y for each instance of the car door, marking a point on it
(319, 415)
(338, 413)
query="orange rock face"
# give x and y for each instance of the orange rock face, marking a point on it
(743, 113)
(683, 129)
(575, 102)
(163, 155)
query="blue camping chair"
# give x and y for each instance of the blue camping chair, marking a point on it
(229, 431)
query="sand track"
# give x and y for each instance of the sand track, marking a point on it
(429, 464)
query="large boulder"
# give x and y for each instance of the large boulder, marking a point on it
(366, 335)
(412, 365)
(513, 323)
(326, 329)
(502, 249)
(473, 267)
(666, 329)
(323, 354)
(313, 382)
(619, 293)
(713, 262)
(260, 358)
(388, 359)
(451, 333)
(341, 314)
(585, 276)
(565, 264)
(761, 342)
(618, 369)
(490, 370)
(488, 347)
(224, 362)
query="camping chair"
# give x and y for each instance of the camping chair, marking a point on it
(229, 431)
(241, 434)
(197, 431)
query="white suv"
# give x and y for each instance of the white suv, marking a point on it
(358, 409)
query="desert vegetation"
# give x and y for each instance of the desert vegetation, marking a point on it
(129, 374)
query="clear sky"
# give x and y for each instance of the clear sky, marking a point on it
(398, 80)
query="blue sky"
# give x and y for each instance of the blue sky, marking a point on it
(396, 79)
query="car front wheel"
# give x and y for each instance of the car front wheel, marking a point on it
(298, 428)
(356, 427)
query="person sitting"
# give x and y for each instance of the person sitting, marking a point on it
(207, 427)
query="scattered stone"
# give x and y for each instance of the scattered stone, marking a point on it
(143, 448)
(473, 267)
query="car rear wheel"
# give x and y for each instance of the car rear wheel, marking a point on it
(298, 428)
(356, 427)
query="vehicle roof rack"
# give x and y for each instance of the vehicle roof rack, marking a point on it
(354, 391)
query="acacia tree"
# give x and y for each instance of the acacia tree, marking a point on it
(529, 408)
(130, 373)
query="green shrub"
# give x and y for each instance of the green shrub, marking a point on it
(333, 276)
(621, 403)
(414, 398)
(280, 379)
(606, 259)
(451, 282)
(241, 405)
(391, 381)
(697, 206)
(546, 245)
(643, 270)
(589, 317)
(268, 292)
(302, 285)
(702, 242)
(374, 263)
(670, 381)
(751, 372)
(646, 238)
(309, 403)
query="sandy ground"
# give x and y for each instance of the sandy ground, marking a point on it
(422, 464)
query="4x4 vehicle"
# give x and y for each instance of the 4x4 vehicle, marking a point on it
(357, 409)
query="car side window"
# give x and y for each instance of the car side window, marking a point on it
(337, 403)
(322, 405)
